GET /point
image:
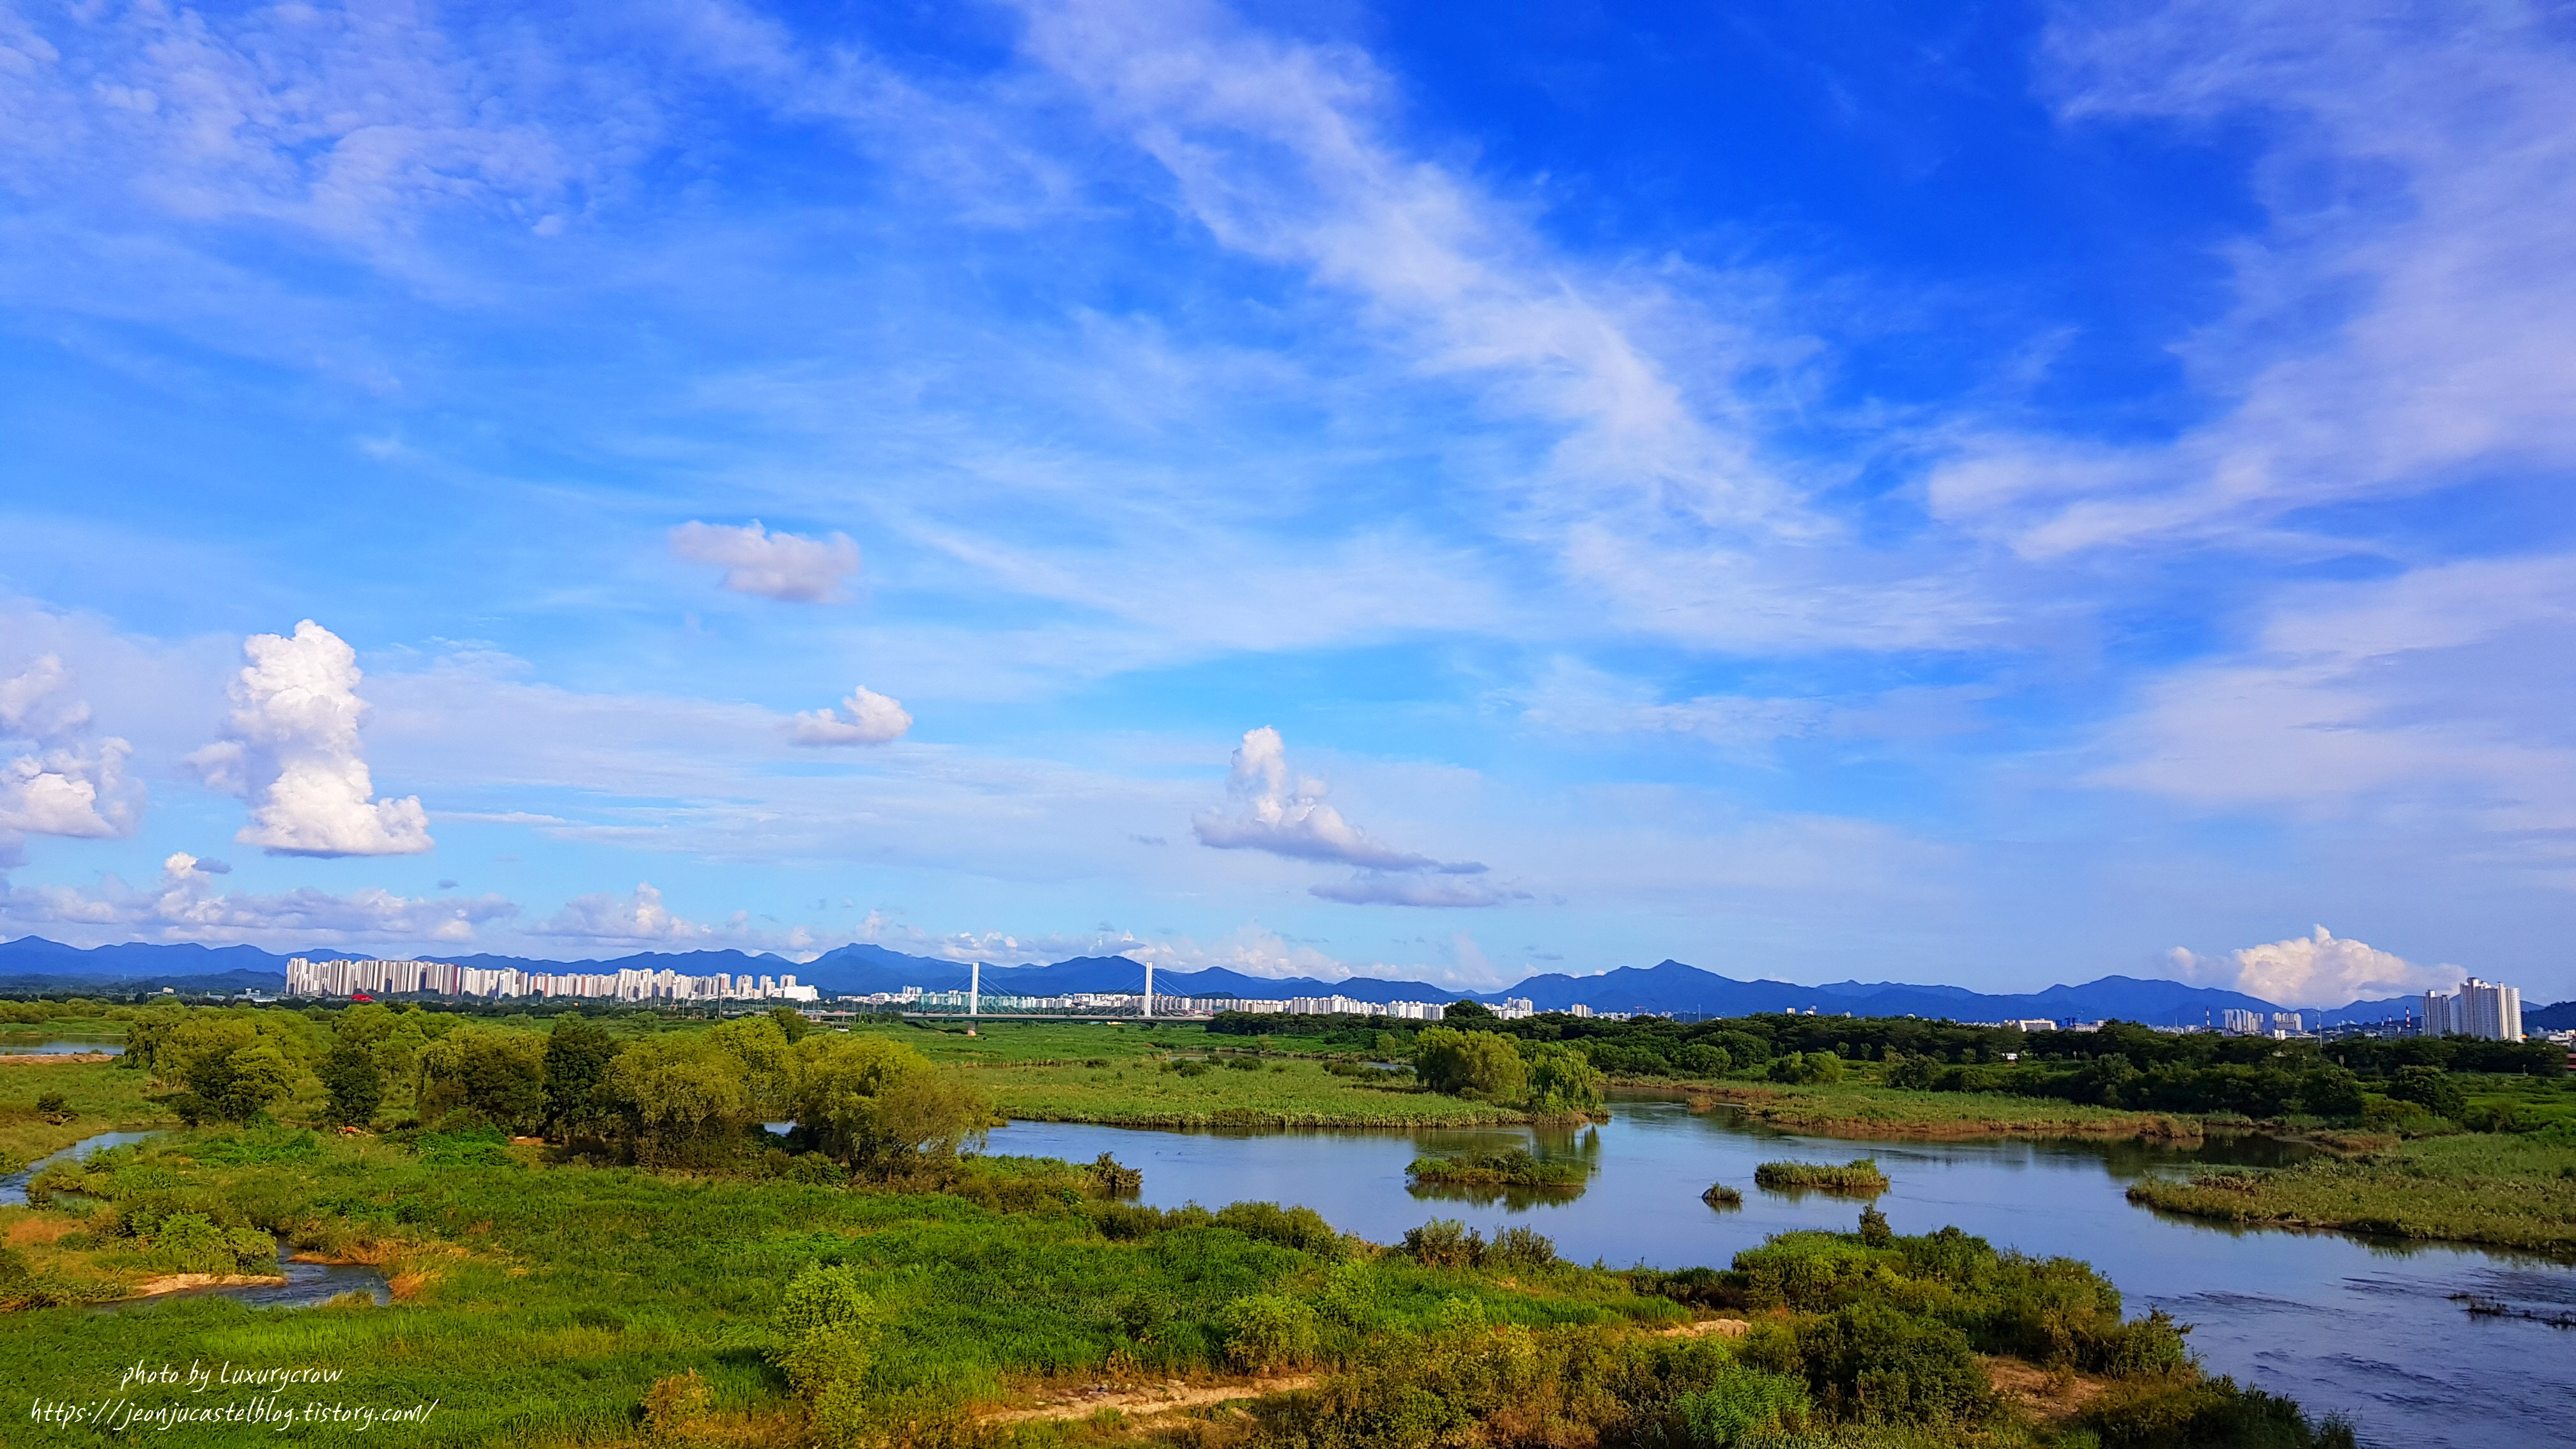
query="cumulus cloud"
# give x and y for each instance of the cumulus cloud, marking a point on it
(783, 566)
(291, 750)
(2315, 970)
(1270, 812)
(64, 782)
(185, 906)
(865, 718)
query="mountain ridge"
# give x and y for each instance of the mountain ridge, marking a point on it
(1669, 986)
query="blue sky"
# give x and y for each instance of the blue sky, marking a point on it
(1990, 494)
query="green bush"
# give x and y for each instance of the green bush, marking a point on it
(1740, 1403)
(1268, 1331)
(1870, 1362)
(1301, 1228)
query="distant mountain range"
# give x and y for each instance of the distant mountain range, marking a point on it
(33, 963)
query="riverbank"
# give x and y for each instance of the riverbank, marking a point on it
(1866, 1110)
(98, 1096)
(2499, 1190)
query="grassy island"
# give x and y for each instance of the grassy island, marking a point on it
(1515, 1168)
(2508, 1191)
(1859, 1176)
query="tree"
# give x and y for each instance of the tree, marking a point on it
(1468, 1011)
(1808, 1068)
(1470, 1064)
(1563, 1082)
(577, 1056)
(682, 1099)
(2430, 1088)
(229, 1069)
(476, 1075)
(875, 1103)
(791, 1022)
(355, 1084)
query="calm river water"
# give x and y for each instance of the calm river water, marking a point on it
(2362, 1328)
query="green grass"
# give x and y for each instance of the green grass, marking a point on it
(1860, 1175)
(1117, 1075)
(2515, 1191)
(1866, 1109)
(102, 1097)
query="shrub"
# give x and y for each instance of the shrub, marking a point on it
(1742, 1402)
(673, 1407)
(1243, 1064)
(1514, 1167)
(54, 1107)
(1268, 1331)
(1115, 1179)
(1301, 1228)
(1525, 1249)
(1869, 1362)
(1444, 1243)
(1719, 1195)
(472, 1147)
(2185, 1413)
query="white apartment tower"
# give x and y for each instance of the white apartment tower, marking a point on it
(2478, 1008)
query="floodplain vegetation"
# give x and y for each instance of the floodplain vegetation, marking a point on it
(591, 1238)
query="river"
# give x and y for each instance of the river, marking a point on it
(2362, 1328)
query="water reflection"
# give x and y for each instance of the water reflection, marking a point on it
(13, 1188)
(2363, 1327)
(35, 1044)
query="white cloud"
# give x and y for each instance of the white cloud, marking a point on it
(291, 750)
(784, 566)
(641, 920)
(2405, 321)
(2317, 970)
(1272, 814)
(67, 783)
(185, 906)
(865, 718)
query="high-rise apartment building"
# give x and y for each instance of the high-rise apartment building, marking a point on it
(2478, 1008)
(2236, 1022)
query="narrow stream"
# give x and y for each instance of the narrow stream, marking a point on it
(306, 1283)
(2362, 1328)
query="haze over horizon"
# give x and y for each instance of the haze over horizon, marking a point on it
(1994, 499)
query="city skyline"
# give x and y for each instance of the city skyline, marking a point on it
(1990, 499)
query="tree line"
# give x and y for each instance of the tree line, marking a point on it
(695, 1099)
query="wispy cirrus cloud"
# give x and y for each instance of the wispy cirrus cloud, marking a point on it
(2401, 326)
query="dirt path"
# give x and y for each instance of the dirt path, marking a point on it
(1160, 1399)
(2050, 1398)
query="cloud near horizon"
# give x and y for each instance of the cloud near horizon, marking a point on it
(2319, 970)
(291, 750)
(184, 906)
